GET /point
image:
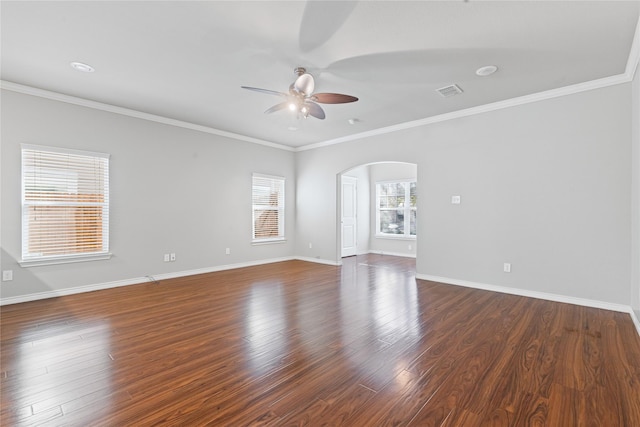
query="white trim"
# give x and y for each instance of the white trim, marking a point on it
(63, 150)
(468, 284)
(513, 102)
(534, 294)
(27, 90)
(174, 275)
(318, 261)
(71, 291)
(627, 76)
(134, 281)
(636, 321)
(401, 254)
(634, 54)
(37, 262)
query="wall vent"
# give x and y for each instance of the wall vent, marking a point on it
(450, 90)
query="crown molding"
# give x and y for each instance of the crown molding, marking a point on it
(55, 96)
(634, 54)
(626, 77)
(513, 102)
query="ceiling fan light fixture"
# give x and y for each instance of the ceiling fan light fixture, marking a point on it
(487, 70)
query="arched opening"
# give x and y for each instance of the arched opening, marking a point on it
(377, 210)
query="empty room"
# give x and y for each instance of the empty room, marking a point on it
(349, 213)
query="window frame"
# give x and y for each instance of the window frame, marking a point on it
(29, 259)
(280, 208)
(406, 235)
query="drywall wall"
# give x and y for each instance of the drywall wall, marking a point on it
(381, 172)
(544, 186)
(172, 190)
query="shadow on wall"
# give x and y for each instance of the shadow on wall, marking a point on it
(24, 281)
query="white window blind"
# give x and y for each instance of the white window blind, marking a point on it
(267, 208)
(65, 204)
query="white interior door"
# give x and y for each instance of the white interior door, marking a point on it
(349, 226)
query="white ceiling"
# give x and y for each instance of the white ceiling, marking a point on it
(186, 60)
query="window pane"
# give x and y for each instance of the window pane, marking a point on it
(392, 221)
(413, 195)
(268, 207)
(396, 208)
(412, 222)
(65, 203)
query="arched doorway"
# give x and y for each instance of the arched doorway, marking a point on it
(366, 227)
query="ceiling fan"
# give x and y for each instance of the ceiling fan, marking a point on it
(301, 98)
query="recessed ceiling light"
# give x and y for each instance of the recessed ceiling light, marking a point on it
(487, 70)
(79, 66)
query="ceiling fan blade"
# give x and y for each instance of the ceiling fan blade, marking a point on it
(315, 110)
(267, 91)
(277, 107)
(333, 98)
(304, 84)
(321, 20)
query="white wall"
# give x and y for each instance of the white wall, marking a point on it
(545, 186)
(172, 190)
(380, 172)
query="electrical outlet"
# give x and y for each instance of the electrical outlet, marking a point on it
(228, 251)
(310, 246)
(410, 247)
(172, 257)
(507, 267)
(7, 275)
(166, 258)
(455, 200)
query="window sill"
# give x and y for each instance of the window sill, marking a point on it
(268, 241)
(64, 260)
(394, 237)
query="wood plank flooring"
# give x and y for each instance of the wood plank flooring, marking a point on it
(298, 343)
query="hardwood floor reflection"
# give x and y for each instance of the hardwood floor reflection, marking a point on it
(298, 343)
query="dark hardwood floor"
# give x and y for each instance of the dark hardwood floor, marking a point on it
(298, 343)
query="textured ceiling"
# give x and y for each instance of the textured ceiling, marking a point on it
(186, 60)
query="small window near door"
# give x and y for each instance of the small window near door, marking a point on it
(267, 208)
(396, 209)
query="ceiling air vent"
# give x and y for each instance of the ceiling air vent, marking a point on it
(450, 90)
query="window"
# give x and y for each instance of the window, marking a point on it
(65, 205)
(268, 208)
(396, 209)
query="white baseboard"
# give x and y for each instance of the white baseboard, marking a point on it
(406, 255)
(534, 294)
(446, 280)
(133, 281)
(174, 275)
(151, 278)
(318, 260)
(636, 320)
(71, 291)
